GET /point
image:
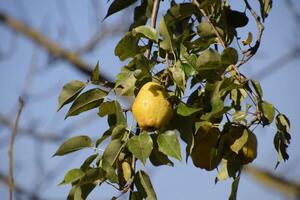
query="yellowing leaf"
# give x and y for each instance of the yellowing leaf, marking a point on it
(248, 40)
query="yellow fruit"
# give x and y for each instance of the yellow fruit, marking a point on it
(249, 151)
(126, 169)
(151, 109)
(203, 153)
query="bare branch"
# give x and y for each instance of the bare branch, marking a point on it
(11, 149)
(153, 24)
(53, 48)
(278, 183)
(252, 50)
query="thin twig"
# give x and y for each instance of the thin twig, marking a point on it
(211, 24)
(11, 150)
(153, 24)
(252, 50)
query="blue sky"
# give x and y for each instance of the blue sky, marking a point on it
(180, 182)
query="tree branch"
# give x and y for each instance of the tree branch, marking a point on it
(153, 23)
(11, 149)
(286, 187)
(53, 48)
(252, 50)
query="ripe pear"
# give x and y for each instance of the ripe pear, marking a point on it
(151, 109)
(206, 140)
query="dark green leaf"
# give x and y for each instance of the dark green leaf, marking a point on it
(127, 46)
(114, 111)
(110, 172)
(257, 88)
(81, 192)
(168, 144)
(186, 110)
(87, 101)
(144, 185)
(235, 18)
(240, 142)
(112, 151)
(95, 74)
(69, 92)
(72, 176)
(229, 56)
(105, 135)
(208, 60)
(178, 75)
(74, 144)
(86, 164)
(157, 158)
(141, 146)
(92, 175)
(118, 5)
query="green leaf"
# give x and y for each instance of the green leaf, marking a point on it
(167, 43)
(110, 172)
(81, 192)
(92, 175)
(86, 164)
(74, 144)
(235, 18)
(127, 47)
(157, 158)
(147, 32)
(265, 8)
(240, 142)
(229, 56)
(69, 92)
(186, 110)
(118, 5)
(112, 151)
(126, 79)
(205, 30)
(268, 112)
(144, 185)
(257, 88)
(282, 137)
(168, 144)
(72, 176)
(234, 188)
(95, 74)
(105, 135)
(208, 60)
(239, 116)
(114, 111)
(178, 75)
(141, 146)
(87, 101)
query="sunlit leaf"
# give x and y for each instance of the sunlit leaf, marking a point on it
(147, 32)
(239, 142)
(185, 110)
(265, 8)
(248, 40)
(72, 176)
(95, 74)
(168, 144)
(141, 146)
(268, 112)
(127, 47)
(74, 144)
